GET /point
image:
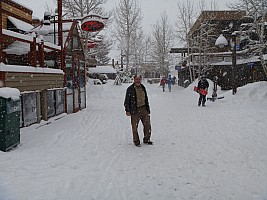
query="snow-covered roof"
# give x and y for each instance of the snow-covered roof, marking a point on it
(8, 92)
(20, 68)
(48, 31)
(238, 61)
(21, 25)
(18, 48)
(30, 39)
(102, 70)
(22, 48)
(17, 35)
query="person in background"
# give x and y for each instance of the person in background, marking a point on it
(173, 80)
(202, 84)
(137, 107)
(169, 81)
(163, 82)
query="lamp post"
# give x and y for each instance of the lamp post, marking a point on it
(54, 22)
(221, 42)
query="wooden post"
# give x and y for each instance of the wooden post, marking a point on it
(34, 61)
(39, 108)
(60, 43)
(41, 52)
(1, 35)
(32, 53)
(44, 105)
(60, 33)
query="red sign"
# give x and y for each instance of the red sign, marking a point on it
(92, 25)
(91, 45)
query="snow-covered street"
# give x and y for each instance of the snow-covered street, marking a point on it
(216, 152)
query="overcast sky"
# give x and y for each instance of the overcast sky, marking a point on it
(151, 9)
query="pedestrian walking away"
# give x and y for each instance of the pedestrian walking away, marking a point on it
(202, 84)
(173, 80)
(163, 82)
(169, 81)
(137, 107)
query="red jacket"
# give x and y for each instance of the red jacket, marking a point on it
(163, 81)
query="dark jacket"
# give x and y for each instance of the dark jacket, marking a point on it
(130, 102)
(203, 84)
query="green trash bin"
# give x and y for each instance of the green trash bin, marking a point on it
(10, 109)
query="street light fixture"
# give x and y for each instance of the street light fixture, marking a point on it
(222, 42)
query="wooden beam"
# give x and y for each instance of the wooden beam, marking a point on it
(1, 38)
(41, 53)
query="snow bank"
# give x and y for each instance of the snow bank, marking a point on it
(12, 93)
(250, 93)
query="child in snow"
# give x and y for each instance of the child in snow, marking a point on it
(163, 81)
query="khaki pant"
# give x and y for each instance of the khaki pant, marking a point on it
(142, 115)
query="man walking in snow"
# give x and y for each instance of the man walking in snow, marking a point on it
(202, 84)
(137, 106)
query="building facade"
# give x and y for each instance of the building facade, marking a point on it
(204, 58)
(51, 79)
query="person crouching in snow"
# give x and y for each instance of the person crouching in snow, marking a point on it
(137, 106)
(163, 81)
(202, 84)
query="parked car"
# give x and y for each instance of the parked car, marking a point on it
(101, 77)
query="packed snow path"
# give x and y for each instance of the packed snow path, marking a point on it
(218, 152)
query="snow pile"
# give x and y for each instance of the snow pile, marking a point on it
(250, 93)
(12, 93)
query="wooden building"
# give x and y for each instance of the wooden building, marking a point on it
(74, 65)
(203, 53)
(23, 58)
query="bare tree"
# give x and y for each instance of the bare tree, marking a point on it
(188, 11)
(202, 5)
(185, 21)
(81, 8)
(147, 51)
(127, 21)
(137, 48)
(162, 39)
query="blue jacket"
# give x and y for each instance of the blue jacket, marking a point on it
(169, 81)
